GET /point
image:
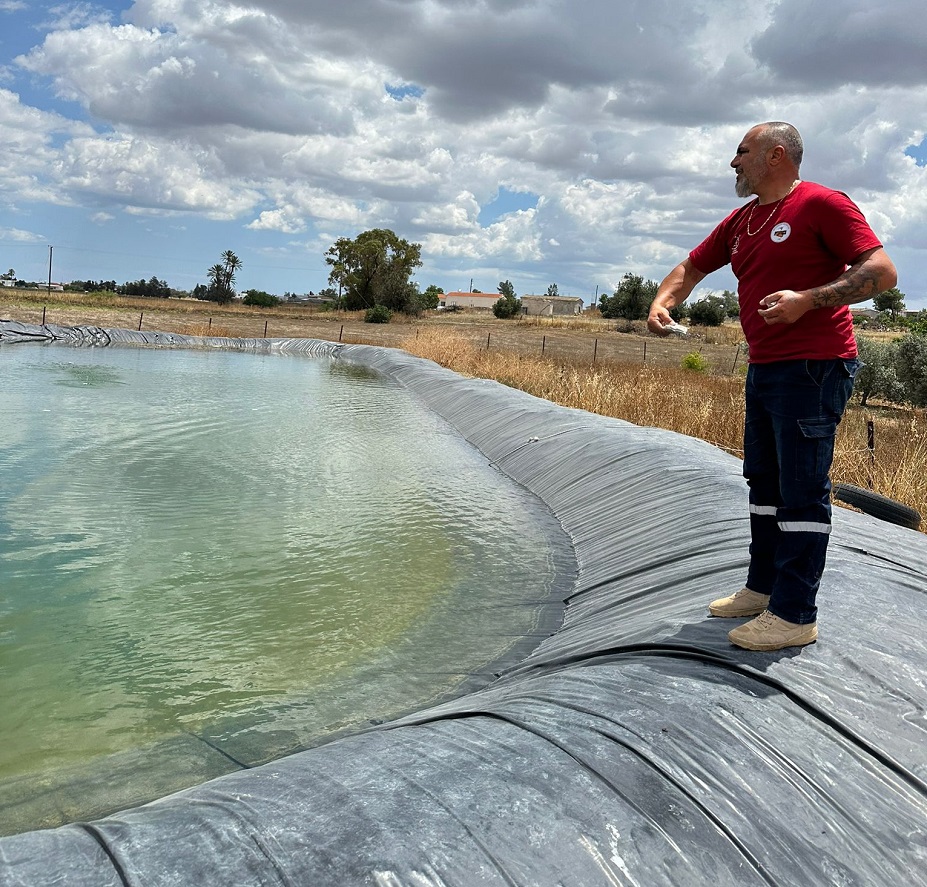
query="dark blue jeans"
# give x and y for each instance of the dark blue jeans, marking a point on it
(792, 411)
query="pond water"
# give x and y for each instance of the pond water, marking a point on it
(209, 559)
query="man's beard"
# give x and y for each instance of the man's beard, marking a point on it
(745, 185)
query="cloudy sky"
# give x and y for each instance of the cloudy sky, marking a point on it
(540, 141)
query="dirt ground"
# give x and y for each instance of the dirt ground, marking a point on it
(586, 339)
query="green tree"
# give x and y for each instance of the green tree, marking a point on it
(231, 263)
(222, 278)
(878, 376)
(217, 290)
(709, 311)
(631, 299)
(911, 367)
(508, 304)
(552, 290)
(151, 288)
(10, 275)
(731, 303)
(891, 300)
(375, 269)
(95, 286)
(431, 297)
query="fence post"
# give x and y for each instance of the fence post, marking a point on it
(140, 321)
(487, 340)
(43, 314)
(340, 332)
(209, 325)
(265, 329)
(645, 351)
(736, 355)
(543, 344)
(870, 435)
(595, 349)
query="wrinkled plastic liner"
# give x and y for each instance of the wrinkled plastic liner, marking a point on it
(634, 746)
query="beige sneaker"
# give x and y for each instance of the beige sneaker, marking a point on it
(740, 603)
(769, 632)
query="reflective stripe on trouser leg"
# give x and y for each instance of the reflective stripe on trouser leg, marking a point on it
(806, 526)
(764, 542)
(800, 559)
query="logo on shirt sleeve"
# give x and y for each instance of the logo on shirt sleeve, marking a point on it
(780, 233)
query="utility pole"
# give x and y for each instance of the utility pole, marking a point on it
(50, 249)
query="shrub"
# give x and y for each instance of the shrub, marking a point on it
(259, 299)
(695, 361)
(378, 314)
(918, 323)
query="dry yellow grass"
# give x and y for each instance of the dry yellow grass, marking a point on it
(897, 467)
(709, 407)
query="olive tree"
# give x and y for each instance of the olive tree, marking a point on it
(710, 311)
(911, 366)
(631, 298)
(878, 376)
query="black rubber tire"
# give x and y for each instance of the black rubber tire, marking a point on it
(878, 506)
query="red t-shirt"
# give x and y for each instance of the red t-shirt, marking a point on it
(808, 240)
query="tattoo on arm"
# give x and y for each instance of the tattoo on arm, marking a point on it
(856, 284)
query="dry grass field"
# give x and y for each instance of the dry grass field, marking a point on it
(582, 362)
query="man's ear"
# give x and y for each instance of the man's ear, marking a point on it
(775, 155)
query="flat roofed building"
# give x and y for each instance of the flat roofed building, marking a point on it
(552, 306)
(468, 300)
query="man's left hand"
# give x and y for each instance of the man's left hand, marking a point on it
(785, 306)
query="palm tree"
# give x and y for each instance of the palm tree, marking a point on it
(216, 275)
(232, 264)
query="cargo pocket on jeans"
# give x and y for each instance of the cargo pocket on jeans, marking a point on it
(816, 448)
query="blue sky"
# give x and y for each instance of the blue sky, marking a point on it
(538, 141)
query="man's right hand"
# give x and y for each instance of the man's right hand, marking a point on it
(658, 319)
(675, 289)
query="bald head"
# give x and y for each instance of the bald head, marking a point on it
(767, 161)
(778, 133)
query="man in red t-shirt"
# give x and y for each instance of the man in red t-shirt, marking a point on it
(802, 253)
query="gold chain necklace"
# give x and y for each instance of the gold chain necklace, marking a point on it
(750, 217)
(774, 210)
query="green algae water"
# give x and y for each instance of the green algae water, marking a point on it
(209, 559)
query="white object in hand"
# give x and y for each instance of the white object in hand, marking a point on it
(677, 328)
